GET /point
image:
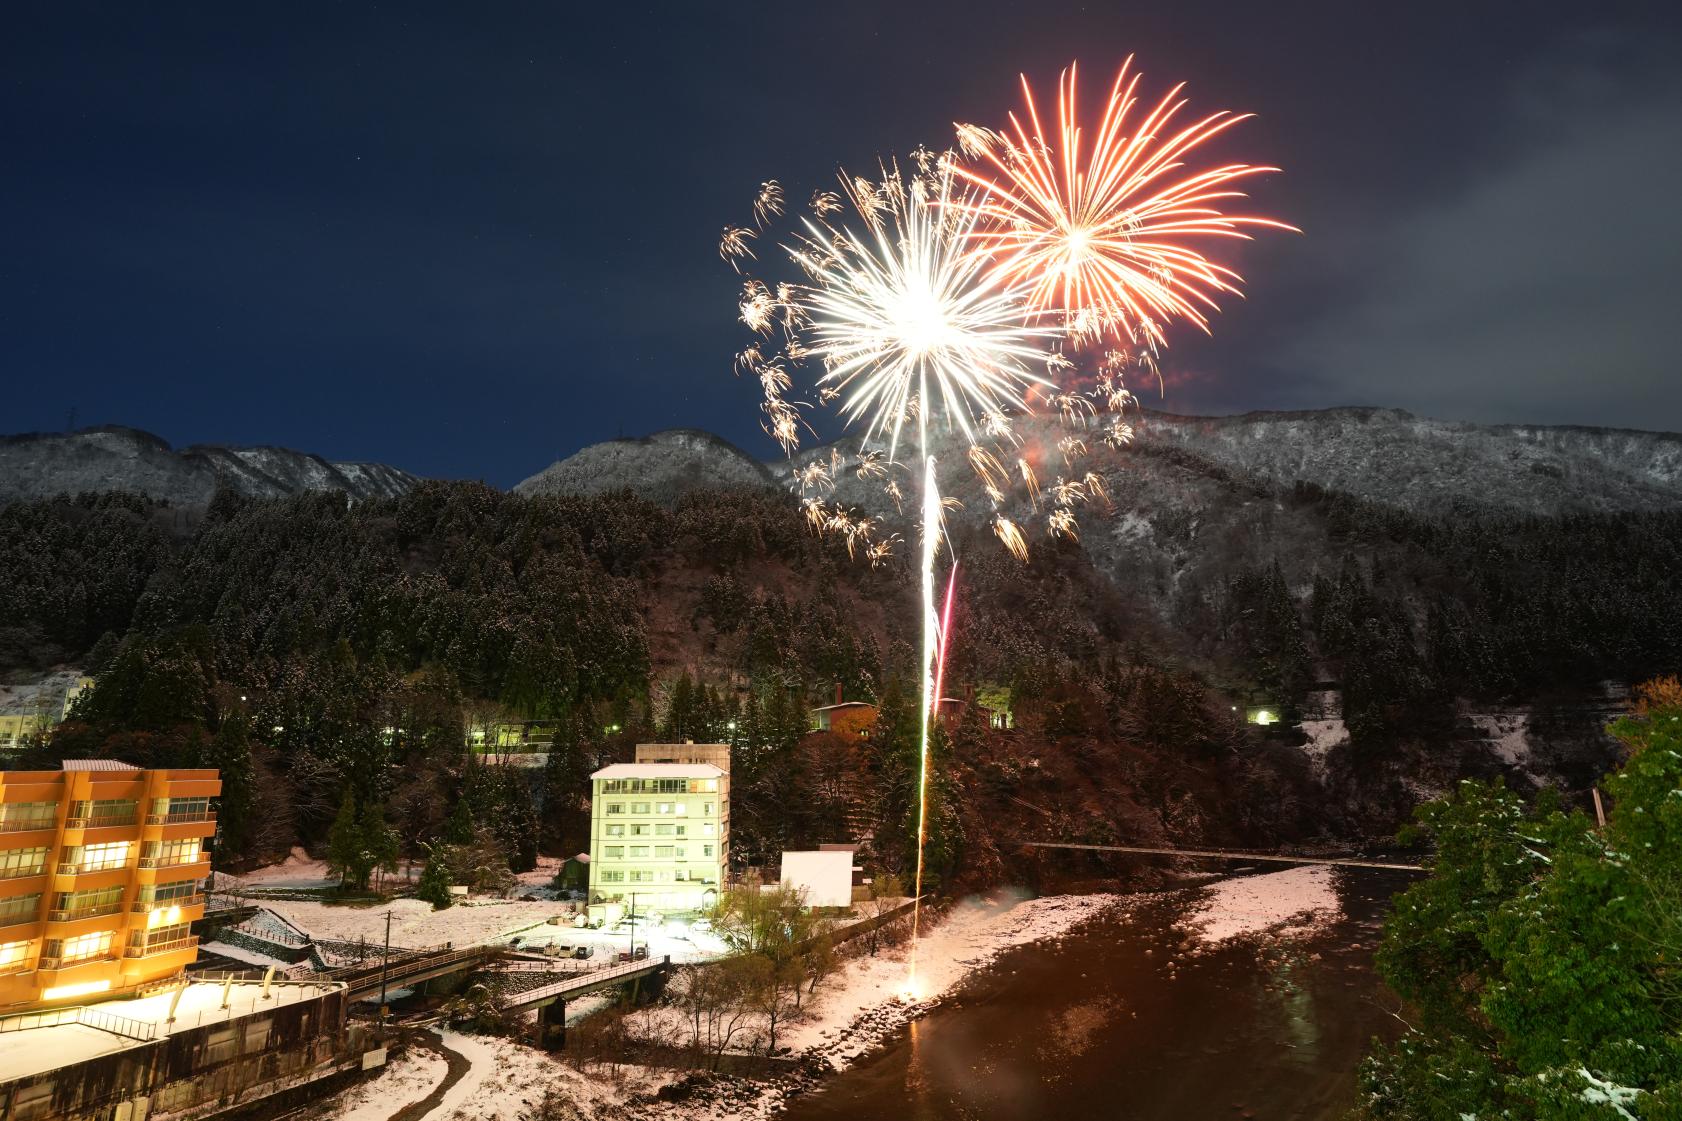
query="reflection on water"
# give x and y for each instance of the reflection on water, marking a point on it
(1129, 1019)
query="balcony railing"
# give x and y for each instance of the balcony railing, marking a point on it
(162, 947)
(21, 871)
(71, 914)
(27, 824)
(175, 860)
(101, 821)
(71, 868)
(145, 905)
(65, 963)
(183, 818)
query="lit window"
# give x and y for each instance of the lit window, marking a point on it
(614, 852)
(639, 852)
(615, 830)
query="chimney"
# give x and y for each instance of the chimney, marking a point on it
(837, 692)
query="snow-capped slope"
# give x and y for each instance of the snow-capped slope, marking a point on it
(42, 465)
(662, 467)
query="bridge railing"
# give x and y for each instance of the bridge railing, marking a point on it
(589, 977)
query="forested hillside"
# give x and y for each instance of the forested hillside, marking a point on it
(313, 648)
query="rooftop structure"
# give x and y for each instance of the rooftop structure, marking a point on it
(717, 754)
(177, 1051)
(101, 871)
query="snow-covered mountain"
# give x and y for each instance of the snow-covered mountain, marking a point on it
(1383, 455)
(662, 467)
(42, 465)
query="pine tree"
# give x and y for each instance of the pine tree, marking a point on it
(459, 829)
(434, 886)
(344, 844)
(230, 754)
(378, 842)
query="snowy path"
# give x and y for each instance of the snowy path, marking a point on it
(459, 1067)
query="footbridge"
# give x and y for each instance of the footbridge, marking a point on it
(1228, 854)
(535, 984)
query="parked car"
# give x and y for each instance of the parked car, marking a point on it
(557, 950)
(640, 953)
(584, 950)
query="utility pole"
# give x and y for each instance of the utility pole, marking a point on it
(633, 926)
(385, 962)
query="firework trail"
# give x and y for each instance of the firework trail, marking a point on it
(960, 297)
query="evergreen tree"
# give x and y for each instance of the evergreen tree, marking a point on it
(379, 843)
(434, 885)
(230, 754)
(344, 844)
(1542, 954)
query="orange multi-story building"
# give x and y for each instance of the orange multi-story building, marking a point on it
(101, 874)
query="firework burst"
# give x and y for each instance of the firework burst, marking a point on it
(1104, 228)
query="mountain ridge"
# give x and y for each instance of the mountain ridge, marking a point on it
(119, 458)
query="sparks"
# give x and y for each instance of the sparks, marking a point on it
(1105, 234)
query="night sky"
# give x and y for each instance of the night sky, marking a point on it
(466, 239)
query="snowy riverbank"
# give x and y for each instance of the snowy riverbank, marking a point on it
(857, 1010)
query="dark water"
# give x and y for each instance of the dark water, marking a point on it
(1120, 1021)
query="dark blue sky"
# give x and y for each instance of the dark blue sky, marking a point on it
(465, 239)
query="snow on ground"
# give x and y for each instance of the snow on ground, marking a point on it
(414, 923)
(298, 870)
(1508, 734)
(973, 933)
(508, 1079)
(249, 957)
(1296, 901)
(405, 1080)
(1323, 735)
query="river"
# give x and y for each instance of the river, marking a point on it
(1127, 1018)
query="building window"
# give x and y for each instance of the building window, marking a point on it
(168, 854)
(83, 947)
(662, 830)
(706, 809)
(681, 853)
(143, 941)
(616, 807)
(639, 830)
(86, 904)
(105, 812)
(167, 810)
(22, 862)
(639, 807)
(18, 816)
(642, 877)
(639, 852)
(663, 807)
(612, 877)
(663, 852)
(709, 829)
(97, 858)
(706, 850)
(20, 908)
(157, 894)
(705, 786)
(614, 852)
(13, 955)
(615, 830)
(680, 830)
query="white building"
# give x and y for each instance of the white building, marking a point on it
(660, 832)
(824, 878)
